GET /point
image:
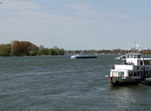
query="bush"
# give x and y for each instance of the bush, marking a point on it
(5, 50)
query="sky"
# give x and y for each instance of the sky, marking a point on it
(77, 24)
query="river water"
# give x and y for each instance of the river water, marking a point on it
(57, 83)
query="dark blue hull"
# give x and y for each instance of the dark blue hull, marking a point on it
(85, 57)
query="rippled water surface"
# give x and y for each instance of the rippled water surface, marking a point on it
(57, 83)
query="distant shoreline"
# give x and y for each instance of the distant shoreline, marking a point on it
(26, 48)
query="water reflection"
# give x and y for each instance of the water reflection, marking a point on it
(128, 98)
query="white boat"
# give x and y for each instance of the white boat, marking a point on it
(83, 56)
(134, 69)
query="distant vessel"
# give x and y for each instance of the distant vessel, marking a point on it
(135, 69)
(83, 56)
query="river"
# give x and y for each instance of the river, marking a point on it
(58, 83)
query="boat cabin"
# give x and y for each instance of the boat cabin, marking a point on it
(136, 59)
(133, 55)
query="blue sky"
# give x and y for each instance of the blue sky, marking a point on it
(77, 24)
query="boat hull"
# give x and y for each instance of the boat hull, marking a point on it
(86, 57)
(123, 80)
(83, 56)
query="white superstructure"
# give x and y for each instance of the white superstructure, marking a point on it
(134, 69)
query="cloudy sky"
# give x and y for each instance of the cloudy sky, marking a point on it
(77, 24)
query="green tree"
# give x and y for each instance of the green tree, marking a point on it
(60, 51)
(5, 50)
(33, 53)
(43, 52)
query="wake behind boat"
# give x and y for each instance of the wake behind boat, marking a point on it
(83, 56)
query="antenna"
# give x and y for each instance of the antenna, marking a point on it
(137, 47)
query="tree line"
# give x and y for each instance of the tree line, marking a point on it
(26, 48)
(104, 51)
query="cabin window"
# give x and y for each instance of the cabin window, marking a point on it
(130, 74)
(130, 56)
(135, 56)
(114, 73)
(146, 62)
(141, 62)
(138, 73)
(120, 73)
(134, 74)
(150, 72)
(141, 73)
(146, 72)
